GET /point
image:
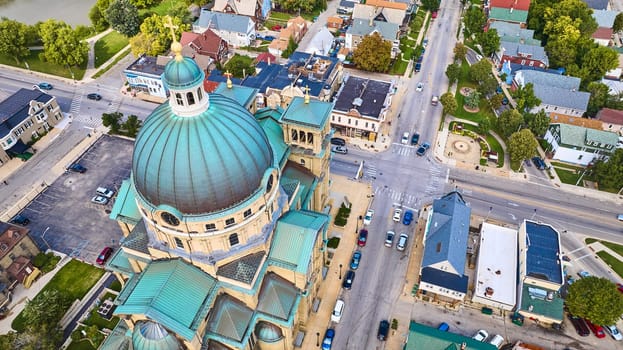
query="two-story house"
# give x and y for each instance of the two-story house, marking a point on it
(579, 145)
(605, 22)
(16, 251)
(511, 11)
(362, 27)
(522, 54)
(236, 30)
(207, 43)
(384, 11)
(295, 30)
(257, 10)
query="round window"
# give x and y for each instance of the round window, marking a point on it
(170, 219)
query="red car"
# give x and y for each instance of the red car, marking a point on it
(597, 329)
(104, 255)
(276, 27)
(620, 287)
(363, 236)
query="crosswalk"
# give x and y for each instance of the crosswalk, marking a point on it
(434, 188)
(403, 150)
(370, 171)
(435, 180)
(405, 199)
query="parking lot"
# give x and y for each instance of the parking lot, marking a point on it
(63, 217)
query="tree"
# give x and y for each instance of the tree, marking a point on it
(480, 71)
(239, 65)
(292, 45)
(98, 20)
(448, 102)
(597, 62)
(373, 54)
(495, 101)
(143, 4)
(473, 99)
(431, 5)
(618, 23)
(460, 51)
(295, 5)
(474, 20)
(509, 122)
(521, 145)
(595, 298)
(484, 126)
(599, 97)
(111, 121)
(537, 122)
(123, 17)
(488, 85)
(61, 44)
(489, 41)
(525, 98)
(609, 174)
(13, 39)
(155, 38)
(132, 125)
(180, 10)
(453, 72)
(42, 315)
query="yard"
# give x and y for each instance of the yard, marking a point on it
(35, 64)
(160, 9)
(613, 262)
(108, 46)
(568, 176)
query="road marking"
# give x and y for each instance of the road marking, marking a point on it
(512, 216)
(575, 250)
(583, 256)
(513, 204)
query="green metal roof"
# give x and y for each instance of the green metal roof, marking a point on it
(314, 114)
(422, 337)
(306, 182)
(294, 239)
(169, 292)
(120, 263)
(269, 121)
(125, 208)
(277, 297)
(552, 309)
(230, 318)
(150, 335)
(117, 339)
(244, 95)
(578, 136)
(502, 14)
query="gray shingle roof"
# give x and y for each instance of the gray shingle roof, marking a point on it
(362, 27)
(14, 110)
(597, 4)
(223, 21)
(512, 32)
(535, 77)
(515, 49)
(554, 96)
(604, 18)
(243, 269)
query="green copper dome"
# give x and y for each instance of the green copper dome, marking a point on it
(200, 164)
(182, 73)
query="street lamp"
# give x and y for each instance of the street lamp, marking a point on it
(43, 237)
(317, 339)
(340, 275)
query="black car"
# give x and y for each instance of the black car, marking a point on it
(338, 141)
(94, 96)
(580, 325)
(77, 168)
(383, 330)
(349, 277)
(20, 220)
(415, 138)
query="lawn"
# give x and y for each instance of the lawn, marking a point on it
(80, 345)
(617, 248)
(108, 46)
(570, 177)
(35, 64)
(399, 67)
(613, 262)
(74, 280)
(97, 320)
(161, 8)
(112, 64)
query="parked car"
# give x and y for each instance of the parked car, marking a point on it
(20, 220)
(44, 86)
(584, 274)
(425, 43)
(402, 242)
(434, 100)
(407, 218)
(349, 277)
(389, 238)
(433, 15)
(338, 310)
(367, 219)
(419, 87)
(422, 149)
(276, 27)
(580, 326)
(481, 335)
(620, 287)
(597, 329)
(269, 38)
(94, 96)
(415, 138)
(99, 200)
(497, 341)
(104, 255)
(505, 101)
(397, 214)
(105, 192)
(383, 330)
(338, 141)
(614, 332)
(328, 339)
(77, 168)
(539, 163)
(405, 138)
(363, 236)
(339, 149)
(354, 261)
(443, 327)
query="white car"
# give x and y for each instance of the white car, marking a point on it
(338, 310)
(389, 239)
(614, 332)
(104, 192)
(405, 138)
(481, 335)
(99, 200)
(419, 87)
(397, 214)
(402, 242)
(368, 218)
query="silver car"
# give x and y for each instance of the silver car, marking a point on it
(339, 149)
(402, 242)
(99, 200)
(389, 239)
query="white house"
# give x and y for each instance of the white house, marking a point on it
(320, 43)
(579, 145)
(236, 30)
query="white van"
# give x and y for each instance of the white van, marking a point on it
(402, 242)
(497, 340)
(620, 217)
(102, 191)
(336, 315)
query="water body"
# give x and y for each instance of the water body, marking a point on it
(73, 12)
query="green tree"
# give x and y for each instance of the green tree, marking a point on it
(537, 122)
(431, 5)
(609, 174)
(495, 101)
(618, 23)
(448, 102)
(460, 51)
(155, 38)
(453, 72)
(521, 145)
(480, 71)
(180, 10)
(292, 45)
(239, 66)
(123, 17)
(474, 20)
(42, 315)
(484, 126)
(595, 298)
(525, 98)
(132, 125)
(597, 62)
(61, 44)
(488, 85)
(13, 39)
(373, 54)
(472, 100)
(112, 121)
(489, 41)
(599, 97)
(295, 5)
(509, 122)
(143, 4)
(98, 20)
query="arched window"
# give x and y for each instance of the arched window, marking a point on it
(233, 239)
(199, 94)
(295, 135)
(310, 137)
(302, 136)
(302, 162)
(191, 98)
(178, 99)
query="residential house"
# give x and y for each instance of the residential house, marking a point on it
(597, 4)
(361, 106)
(346, 7)
(558, 93)
(514, 33)
(296, 29)
(207, 43)
(523, 54)
(423, 337)
(16, 251)
(265, 57)
(321, 42)
(577, 145)
(363, 27)
(384, 11)
(583, 122)
(611, 119)
(521, 5)
(508, 15)
(334, 23)
(605, 22)
(144, 77)
(236, 30)
(24, 116)
(257, 10)
(442, 273)
(540, 272)
(615, 87)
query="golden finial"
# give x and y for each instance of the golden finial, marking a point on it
(176, 47)
(229, 83)
(306, 90)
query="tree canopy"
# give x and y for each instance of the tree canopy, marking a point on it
(13, 39)
(460, 51)
(373, 54)
(453, 72)
(239, 66)
(537, 122)
(599, 97)
(431, 5)
(142, 4)
(525, 98)
(489, 41)
(123, 17)
(300, 5)
(509, 121)
(474, 20)
(618, 23)
(595, 298)
(521, 145)
(609, 174)
(61, 44)
(97, 17)
(480, 71)
(448, 102)
(154, 38)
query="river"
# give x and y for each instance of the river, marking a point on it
(73, 12)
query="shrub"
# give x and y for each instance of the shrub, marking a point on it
(339, 221)
(394, 324)
(333, 242)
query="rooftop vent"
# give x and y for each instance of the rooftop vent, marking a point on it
(357, 102)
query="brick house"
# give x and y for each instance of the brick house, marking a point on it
(16, 251)
(522, 54)
(207, 43)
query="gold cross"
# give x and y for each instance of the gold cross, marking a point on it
(169, 24)
(306, 91)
